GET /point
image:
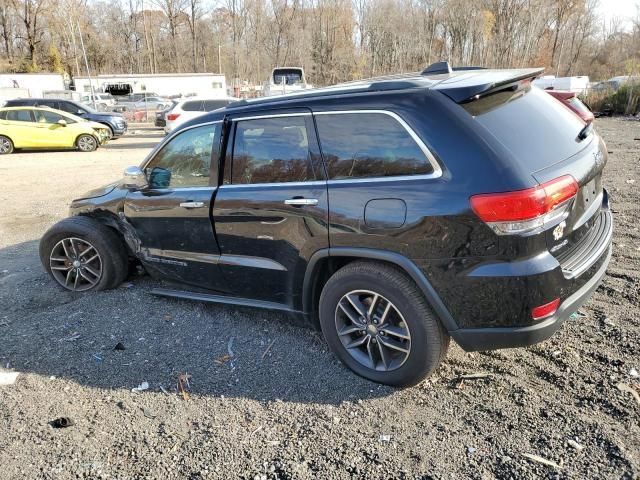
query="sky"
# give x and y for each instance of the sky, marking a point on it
(625, 9)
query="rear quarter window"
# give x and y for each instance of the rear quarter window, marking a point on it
(365, 145)
(192, 106)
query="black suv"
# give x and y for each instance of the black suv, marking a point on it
(115, 121)
(393, 213)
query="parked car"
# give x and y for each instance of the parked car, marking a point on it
(161, 116)
(190, 108)
(573, 103)
(31, 128)
(391, 213)
(116, 124)
(101, 101)
(148, 103)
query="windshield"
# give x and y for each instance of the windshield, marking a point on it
(288, 76)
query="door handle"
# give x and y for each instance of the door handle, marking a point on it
(301, 202)
(192, 204)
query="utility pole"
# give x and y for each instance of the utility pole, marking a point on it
(86, 62)
(219, 59)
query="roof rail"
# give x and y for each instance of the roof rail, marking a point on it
(444, 67)
(437, 68)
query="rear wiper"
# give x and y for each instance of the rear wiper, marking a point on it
(585, 132)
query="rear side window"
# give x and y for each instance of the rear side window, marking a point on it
(48, 103)
(192, 106)
(211, 105)
(364, 145)
(271, 150)
(3, 115)
(19, 116)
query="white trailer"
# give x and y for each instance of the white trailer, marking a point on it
(210, 85)
(33, 83)
(579, 84)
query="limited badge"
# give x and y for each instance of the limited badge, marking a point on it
(559, 231)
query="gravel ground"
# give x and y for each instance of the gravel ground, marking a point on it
(266, 399)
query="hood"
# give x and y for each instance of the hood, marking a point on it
(98, 192)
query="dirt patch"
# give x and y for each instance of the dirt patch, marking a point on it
(294, 411)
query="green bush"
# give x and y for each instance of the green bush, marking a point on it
(624, 101)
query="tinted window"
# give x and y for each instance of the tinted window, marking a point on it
(211, 105)
(533, 125)
(42, 116)
(70, 107)
(192, 106)
(185, 161)
(19, 116)
(271, 150)
(47, 103)
(3, 115)
(360, 145)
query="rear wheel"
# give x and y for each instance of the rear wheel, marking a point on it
(379, 324)
(86, 143)
(6, 145)
(82, 254)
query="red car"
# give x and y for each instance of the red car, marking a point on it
(572, 102)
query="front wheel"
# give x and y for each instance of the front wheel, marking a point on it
(86, 143)
(6, 145)
(82, 254)
(379, 324)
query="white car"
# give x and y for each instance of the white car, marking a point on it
(189, 108)
(103, 101)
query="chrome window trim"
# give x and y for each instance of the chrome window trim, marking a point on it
(274, 115)
(321, 183)
(437, 170)
(167, 139)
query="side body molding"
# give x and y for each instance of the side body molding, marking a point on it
(401, 261)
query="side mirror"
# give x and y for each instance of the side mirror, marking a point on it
(62, 122)
(134, 177)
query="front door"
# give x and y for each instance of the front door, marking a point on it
(49, 133)
(171, 215)
(271, 212)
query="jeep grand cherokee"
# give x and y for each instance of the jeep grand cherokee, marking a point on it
(392, 213)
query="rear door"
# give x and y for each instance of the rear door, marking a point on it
(271, 212)
(22, 128)
(171, 215)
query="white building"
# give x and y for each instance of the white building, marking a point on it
(164, 84)
(35, 84)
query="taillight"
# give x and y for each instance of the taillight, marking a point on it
(546, 310)
(527, 210)
(172, 116)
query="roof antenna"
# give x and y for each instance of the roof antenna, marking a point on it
(437, 68)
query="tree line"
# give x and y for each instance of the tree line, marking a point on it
(334, 40)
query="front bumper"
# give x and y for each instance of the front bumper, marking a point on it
(118, 131)
(492, 338)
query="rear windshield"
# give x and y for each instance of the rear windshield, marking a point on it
(533, 125)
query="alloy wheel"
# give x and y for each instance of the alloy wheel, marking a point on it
(372, 330)
(75, 264)
(87, 143)
(5, 145)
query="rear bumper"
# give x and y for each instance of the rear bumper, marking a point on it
(492, 338)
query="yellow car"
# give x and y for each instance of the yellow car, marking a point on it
(43, 127)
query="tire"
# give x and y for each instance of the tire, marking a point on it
(6, 145)
(410, 316)
(86, 143)
(73, 234)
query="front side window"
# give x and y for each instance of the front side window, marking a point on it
(19, 116)
(363, 145)
(271, 150)
(186, 160)
(43, 116)
(71, 108)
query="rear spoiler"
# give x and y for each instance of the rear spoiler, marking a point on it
(467, 85)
